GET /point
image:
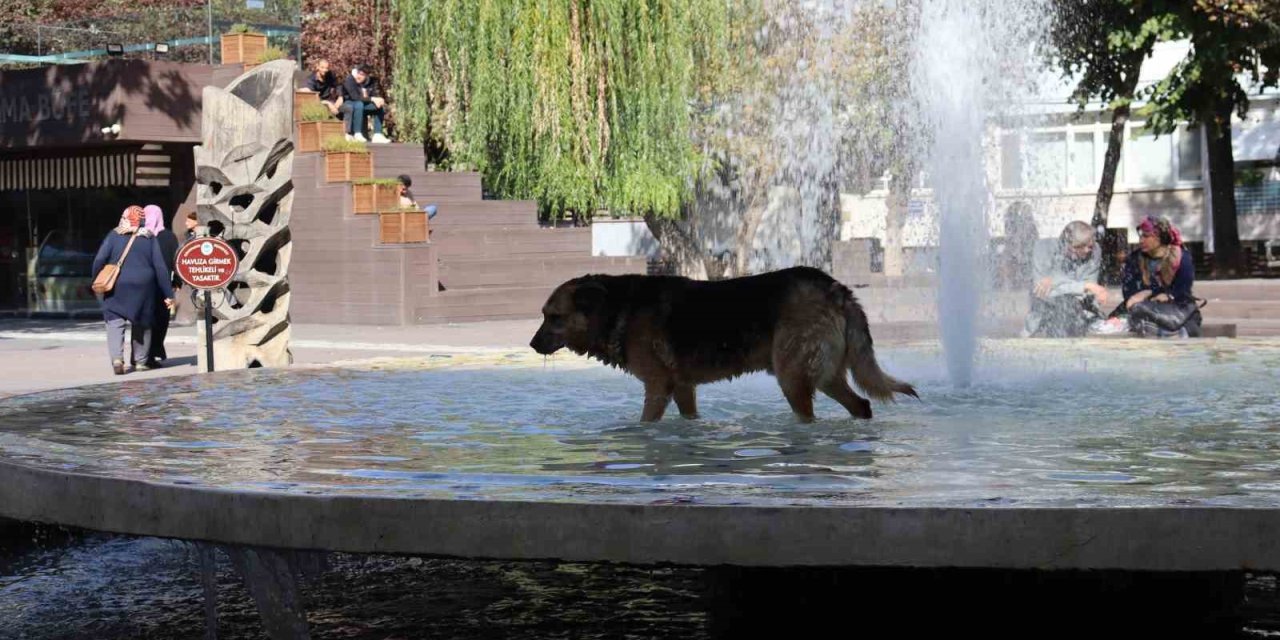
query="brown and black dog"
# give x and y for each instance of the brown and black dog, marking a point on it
(673, 333)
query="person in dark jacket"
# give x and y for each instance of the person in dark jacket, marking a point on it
(184, 313)
(322, 81)
(361, 99)
(132, 300)
(1160, 270)
(167, 243)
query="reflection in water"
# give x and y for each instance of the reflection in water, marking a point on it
(1199, 423)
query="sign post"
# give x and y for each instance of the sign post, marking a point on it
(207, 264)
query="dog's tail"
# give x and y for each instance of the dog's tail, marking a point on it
(860, 356)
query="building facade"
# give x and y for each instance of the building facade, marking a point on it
(78, 144)
(1050, 160)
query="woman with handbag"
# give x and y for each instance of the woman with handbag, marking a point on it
(130, 271)
(1157, 283)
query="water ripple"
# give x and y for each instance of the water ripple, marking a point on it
(1022, 433)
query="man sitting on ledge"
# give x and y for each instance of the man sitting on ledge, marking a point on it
(1065, 294)
(322, 82)
(361, 99)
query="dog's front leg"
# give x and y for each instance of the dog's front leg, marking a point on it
(657, 395)
(687, 400)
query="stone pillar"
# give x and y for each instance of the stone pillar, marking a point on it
(244, 194)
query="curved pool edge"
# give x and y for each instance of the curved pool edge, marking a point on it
(1164, 538)
(1144, 538)
(462, 360)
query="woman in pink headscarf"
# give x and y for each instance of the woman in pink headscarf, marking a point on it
(167, 243)
(143, 282)
(1160, 270)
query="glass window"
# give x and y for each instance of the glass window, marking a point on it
(1189, 155)
(1010, 162)
(1149, 159)
(1046, 161)
(1082, 160)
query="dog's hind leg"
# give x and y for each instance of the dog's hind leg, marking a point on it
(793, 357)
(687, 400)
(657, 395)
(838, 389)
(799, 392)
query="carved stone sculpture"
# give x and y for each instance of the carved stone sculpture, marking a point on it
(244, 171)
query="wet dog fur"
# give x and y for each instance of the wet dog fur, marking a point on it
(674, 334)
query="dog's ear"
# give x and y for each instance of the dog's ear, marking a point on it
(589, 296)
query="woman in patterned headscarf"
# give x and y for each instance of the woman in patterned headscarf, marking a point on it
(132, 300)
(1161, 269)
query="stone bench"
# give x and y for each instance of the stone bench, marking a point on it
(1218, 330)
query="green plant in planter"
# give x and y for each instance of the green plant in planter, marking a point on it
(314, 112)
(339, 144)
(381, 182)
(271, 53)
(241, 27)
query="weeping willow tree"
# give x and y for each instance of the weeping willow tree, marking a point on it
(815, 101)
(579, 104)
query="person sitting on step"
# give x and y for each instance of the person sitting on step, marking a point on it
(322, 82)
(407, 199)
(362, 99)
(1160, 270)
(1065, 292)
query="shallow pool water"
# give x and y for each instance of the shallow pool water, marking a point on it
(1044, 423)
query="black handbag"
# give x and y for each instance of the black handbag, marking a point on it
(1170, 316)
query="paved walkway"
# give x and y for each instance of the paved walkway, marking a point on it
(55, 353)
(51, 354)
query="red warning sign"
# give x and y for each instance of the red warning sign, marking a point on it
(207, 263)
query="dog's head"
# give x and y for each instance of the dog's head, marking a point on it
(569, 317)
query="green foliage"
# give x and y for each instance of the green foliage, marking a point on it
(339, 144)
(314, 112)
(347, 34)
(1250, 178)
(271, 53)
(1233, 43)
(862, 64)
(1101, 44)
(131, 21)
(580, 105)
(1229, 40)
(382, 182)
(240, 27)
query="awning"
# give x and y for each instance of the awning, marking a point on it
(94, 169)
(152, 166)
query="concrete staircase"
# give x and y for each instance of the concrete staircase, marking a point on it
(493, 259)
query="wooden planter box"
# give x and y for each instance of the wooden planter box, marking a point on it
(310, 134)
(302, 99)
(243, 48)
(401, 227)
(374, 198)
(347, 166)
